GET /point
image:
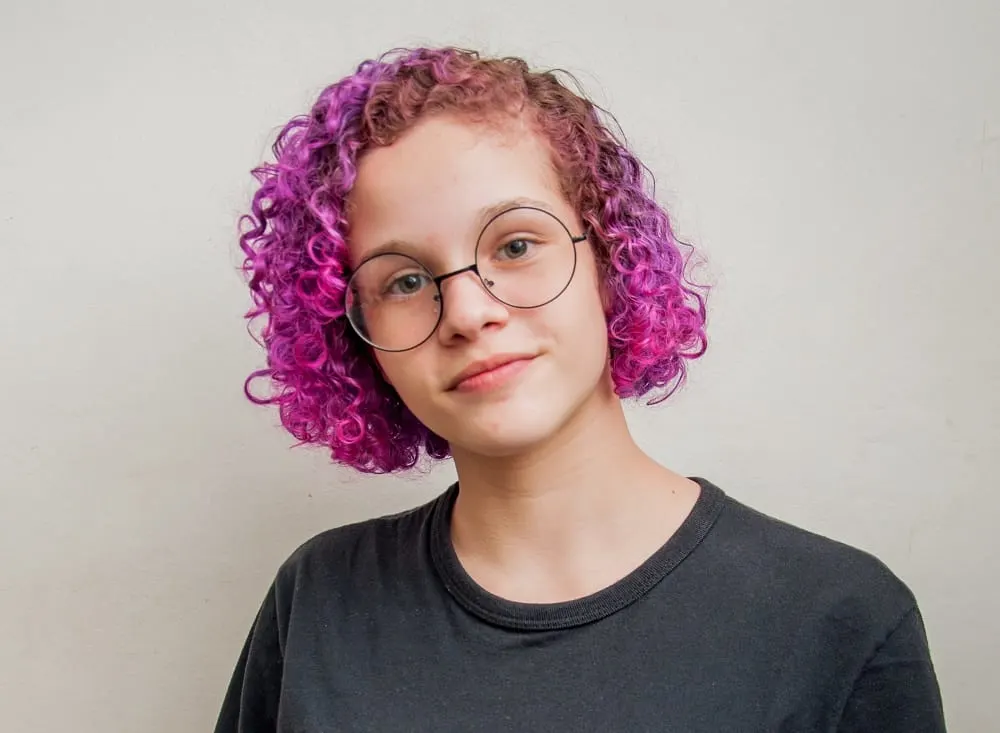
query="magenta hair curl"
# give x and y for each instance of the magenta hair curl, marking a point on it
(325, 382)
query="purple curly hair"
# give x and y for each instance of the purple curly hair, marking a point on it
(327, 386)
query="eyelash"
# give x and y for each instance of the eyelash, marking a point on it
(426, 280)
(526, 240)
(396, 280)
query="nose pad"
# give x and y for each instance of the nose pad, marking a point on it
(462, 280)
(468, 305)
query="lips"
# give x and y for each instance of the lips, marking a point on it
(485, 366)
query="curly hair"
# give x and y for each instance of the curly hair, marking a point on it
(326, 383)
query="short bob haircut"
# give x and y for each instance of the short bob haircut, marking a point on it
(325, 381)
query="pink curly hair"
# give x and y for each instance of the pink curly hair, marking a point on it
(327, 386)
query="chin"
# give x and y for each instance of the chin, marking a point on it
(508, 428)
(514, 420)
(500, 446)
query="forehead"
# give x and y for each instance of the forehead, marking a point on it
(436, 182)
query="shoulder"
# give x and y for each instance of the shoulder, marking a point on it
(812, 573)
(846, 629)
(354, 553)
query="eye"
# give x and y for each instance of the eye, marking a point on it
(409, 284)
(515, 249)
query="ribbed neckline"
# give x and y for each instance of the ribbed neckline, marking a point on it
(548, 616)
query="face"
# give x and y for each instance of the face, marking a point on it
(429, 196)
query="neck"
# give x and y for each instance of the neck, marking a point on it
(569, 516)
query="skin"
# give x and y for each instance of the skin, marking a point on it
(557, 501)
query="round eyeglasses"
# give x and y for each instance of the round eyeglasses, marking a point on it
(525, 258)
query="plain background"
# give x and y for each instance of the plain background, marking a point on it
(838, 164)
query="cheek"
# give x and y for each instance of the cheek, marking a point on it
(390, 367)
(583, 324)
(402, 372)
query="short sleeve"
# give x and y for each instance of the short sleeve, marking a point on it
(251, 701)
(897, 690)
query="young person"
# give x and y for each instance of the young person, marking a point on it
(456, 257)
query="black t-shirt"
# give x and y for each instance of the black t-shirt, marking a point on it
(738, 623)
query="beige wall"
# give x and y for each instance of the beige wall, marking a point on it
(840, 167)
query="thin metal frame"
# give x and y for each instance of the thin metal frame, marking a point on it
(474, 267)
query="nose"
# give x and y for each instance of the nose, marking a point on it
(468, 308)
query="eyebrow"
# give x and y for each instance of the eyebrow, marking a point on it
(484, 215)
(488, 212)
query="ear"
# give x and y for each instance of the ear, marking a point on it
(602, 267)
(606, 299)
(604, 287)
(373, 354)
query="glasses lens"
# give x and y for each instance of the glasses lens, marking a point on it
(392, 302)
(526, 257)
